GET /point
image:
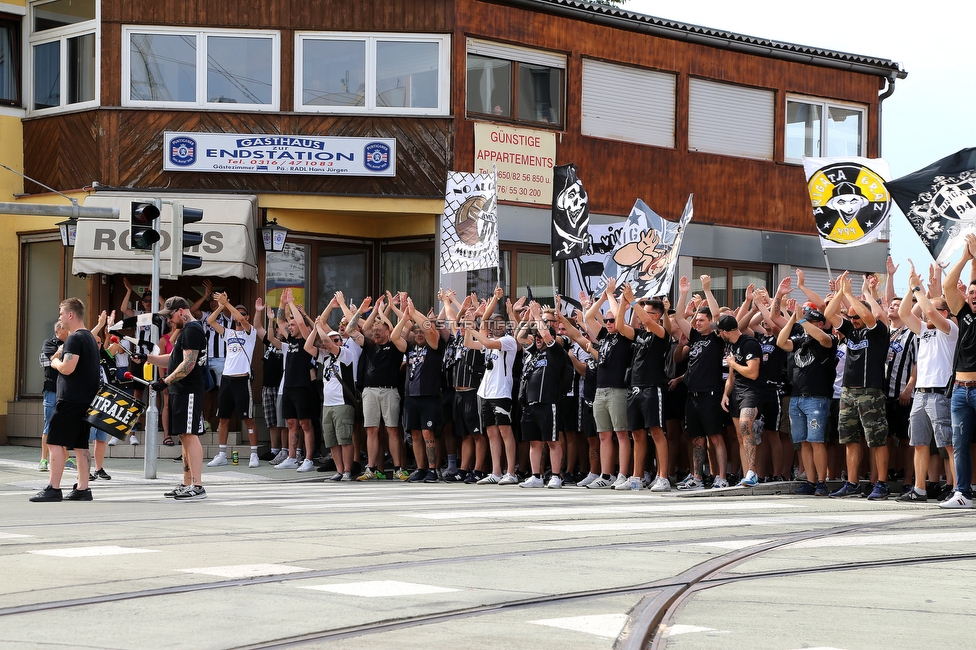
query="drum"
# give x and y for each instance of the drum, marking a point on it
(114, 411)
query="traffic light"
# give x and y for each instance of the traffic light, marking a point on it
(142, 226)
(184, 239)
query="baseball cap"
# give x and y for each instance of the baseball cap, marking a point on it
(174, 304)
(728, 323)
(816, 316)
(333, 333)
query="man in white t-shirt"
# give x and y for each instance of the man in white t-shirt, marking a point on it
(931, 412)
(495, 392)
(235, 389)
(338, 410)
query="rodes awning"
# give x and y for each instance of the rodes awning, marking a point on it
(228, 227)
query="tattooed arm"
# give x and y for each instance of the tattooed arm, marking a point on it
(185, 368)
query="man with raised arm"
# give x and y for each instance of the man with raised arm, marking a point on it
(495, 392)
(381, 399)
(814, 360)
(862, 397)
(744, 392)
(648, 386)
(422, 402)
(963, 307)
(703, 408)
(931, 411)
(234, 394)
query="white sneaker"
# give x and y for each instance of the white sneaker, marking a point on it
(282, 455)
(532, 482)
(633, 484)
(306, 466)
(620, 482)
(491, 479)
(555, 481)
(254, 462)
(661, 484)
(287, 463)
(218, 460)
(112, 441)
(133, 440)
(589, 479)
(600, 483)
(346, 476)
(957, 500)
(508, 479)
(719, 483)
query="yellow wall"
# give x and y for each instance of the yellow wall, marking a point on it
(353, 216)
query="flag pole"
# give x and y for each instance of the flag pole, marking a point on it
(554, 293)
(826, 261)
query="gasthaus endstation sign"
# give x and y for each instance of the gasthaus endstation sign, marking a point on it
(278, 154)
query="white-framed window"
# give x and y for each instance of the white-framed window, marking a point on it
(817, 127)
(730, 119)
(383, 74)
(516, 84)
(628, 104)
(64, 43)
(201, 68)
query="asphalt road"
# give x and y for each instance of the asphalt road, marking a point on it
(278, 559)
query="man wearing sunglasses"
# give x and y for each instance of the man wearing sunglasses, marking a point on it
(862, 397)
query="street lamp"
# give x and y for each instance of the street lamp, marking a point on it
(273, 237)
(69, 232)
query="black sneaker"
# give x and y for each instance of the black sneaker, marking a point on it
(473, 477)
(912, 496)
(418, 475)
(847, 490)
(47, 494)
(191, 492)
(79, 495)
(431, 476)
(102, 474)
(456, 477)
(172, 493)
(267, 456)
(325, 468)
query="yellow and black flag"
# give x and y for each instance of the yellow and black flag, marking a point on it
(850, 200)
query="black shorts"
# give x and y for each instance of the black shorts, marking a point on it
(704, 415)
(587, 421)
(539, 423)
(771, 410)
(467, 420)
(898, 417)
(744, 399)
(186, 413)
(447, 406)
(495, 412)
(567, 415)
(69, 428)
(674, 402)
(298, 403)
(234, 396)
(645, 408)
(421, 413)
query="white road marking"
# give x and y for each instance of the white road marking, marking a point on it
(607, 626)
(12, 535)
(380, 588)
(246, 570)
(882, 539)
(675, 630)
(515, 513)
(604, 526)
(92, 551)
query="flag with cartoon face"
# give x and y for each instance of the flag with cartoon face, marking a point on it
(469, 227)
(940, 202)
(646, 252)
(570, 214)
(850, 200)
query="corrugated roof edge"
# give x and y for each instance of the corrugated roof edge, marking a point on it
(622, 19)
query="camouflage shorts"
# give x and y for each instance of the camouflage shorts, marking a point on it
(862, 413)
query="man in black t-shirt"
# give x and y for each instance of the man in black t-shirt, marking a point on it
(610, 401)
(543, 365)
(381, 399)
(422, 402)
(703, 407)
(186, 363)
(78, 379)
(744, 391)
(299, 402)
(648, 386)
(814, 350)
(862, 397)
(48, 348)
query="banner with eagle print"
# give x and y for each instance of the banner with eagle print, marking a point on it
(469, 227)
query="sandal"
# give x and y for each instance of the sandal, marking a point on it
(168, 441)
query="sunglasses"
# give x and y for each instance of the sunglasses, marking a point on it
(609, 320)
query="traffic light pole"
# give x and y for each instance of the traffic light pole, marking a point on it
(152, 413)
